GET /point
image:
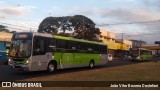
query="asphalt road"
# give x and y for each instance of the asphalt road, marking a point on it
(7, 74)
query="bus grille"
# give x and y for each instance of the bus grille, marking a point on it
(18, 59)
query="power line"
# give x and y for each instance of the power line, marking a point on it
(140, 22)
(18, 25)
(18, 29)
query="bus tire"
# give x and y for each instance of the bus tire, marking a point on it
(51, 67)
(91, 64)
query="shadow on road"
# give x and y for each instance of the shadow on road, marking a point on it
(10, 75)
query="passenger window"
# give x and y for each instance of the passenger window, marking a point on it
(38, 46)
(96, 48)
(61, 44)
(51, 44)
(82, 46)
(89, 47)
(72, 45)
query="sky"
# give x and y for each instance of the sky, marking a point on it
(105, 13)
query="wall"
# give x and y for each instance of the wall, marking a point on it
(5, 36)
(2, 50)
(126, 44)
(108, 38)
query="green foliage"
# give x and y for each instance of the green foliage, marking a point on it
(3, 29)
(81, 27)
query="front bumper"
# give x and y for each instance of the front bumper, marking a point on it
(19, 67)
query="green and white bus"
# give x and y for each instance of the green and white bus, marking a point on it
(38, 51)
(140, 54)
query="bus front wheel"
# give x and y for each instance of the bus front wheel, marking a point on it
(51, 67)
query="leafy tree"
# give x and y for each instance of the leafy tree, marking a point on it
(81, 26)
(3, 29)
(54, 24)
(12, 32)
(84, 28)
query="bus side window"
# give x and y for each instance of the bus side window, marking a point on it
(96, 48)
(61, 44)
(89, 47)
(51, 44)
(82, 46)
(72, 45)
(103, 49)
(38, 46)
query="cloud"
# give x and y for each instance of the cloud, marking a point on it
(21, 25)
(1, 15)
(152, 4)
(84, 11)
(147, 31)
(130, 14)
(13, 11)
(17, 11)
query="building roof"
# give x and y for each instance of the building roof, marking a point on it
(5, 36)
(151, 47)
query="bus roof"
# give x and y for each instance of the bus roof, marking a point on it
(78, 40)
(63, 37)
(139, 49)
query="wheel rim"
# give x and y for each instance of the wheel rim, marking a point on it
(51, 68)
(91, 64)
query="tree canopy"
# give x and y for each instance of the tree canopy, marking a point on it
(3, 29)
(81, 27)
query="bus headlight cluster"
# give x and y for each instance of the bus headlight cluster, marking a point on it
(138, 57)
(130, 57)
(9, 60)
(27, 61)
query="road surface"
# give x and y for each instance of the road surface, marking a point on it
(7, 74)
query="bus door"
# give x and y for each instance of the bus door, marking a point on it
(66, 57)
(40, 56)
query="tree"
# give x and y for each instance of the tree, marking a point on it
(53, 25)
(84, 28)
(12, 32)
(3, 29)
(81, 26)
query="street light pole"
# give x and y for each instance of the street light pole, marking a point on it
(122, 45)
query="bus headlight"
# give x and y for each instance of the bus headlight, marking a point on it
(130, 57)
(27, 62)
(138, 57)
(9, 60)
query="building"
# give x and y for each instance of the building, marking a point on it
(5, 39)
(109, 39)
(127, 44)
(123, 47)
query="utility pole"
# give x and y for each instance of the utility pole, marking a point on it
(122, 45)
(140, 43)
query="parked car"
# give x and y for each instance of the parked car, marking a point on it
(110, 58)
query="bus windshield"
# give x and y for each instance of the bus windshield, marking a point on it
(20, 48)
(134, 53)
(21, 45)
